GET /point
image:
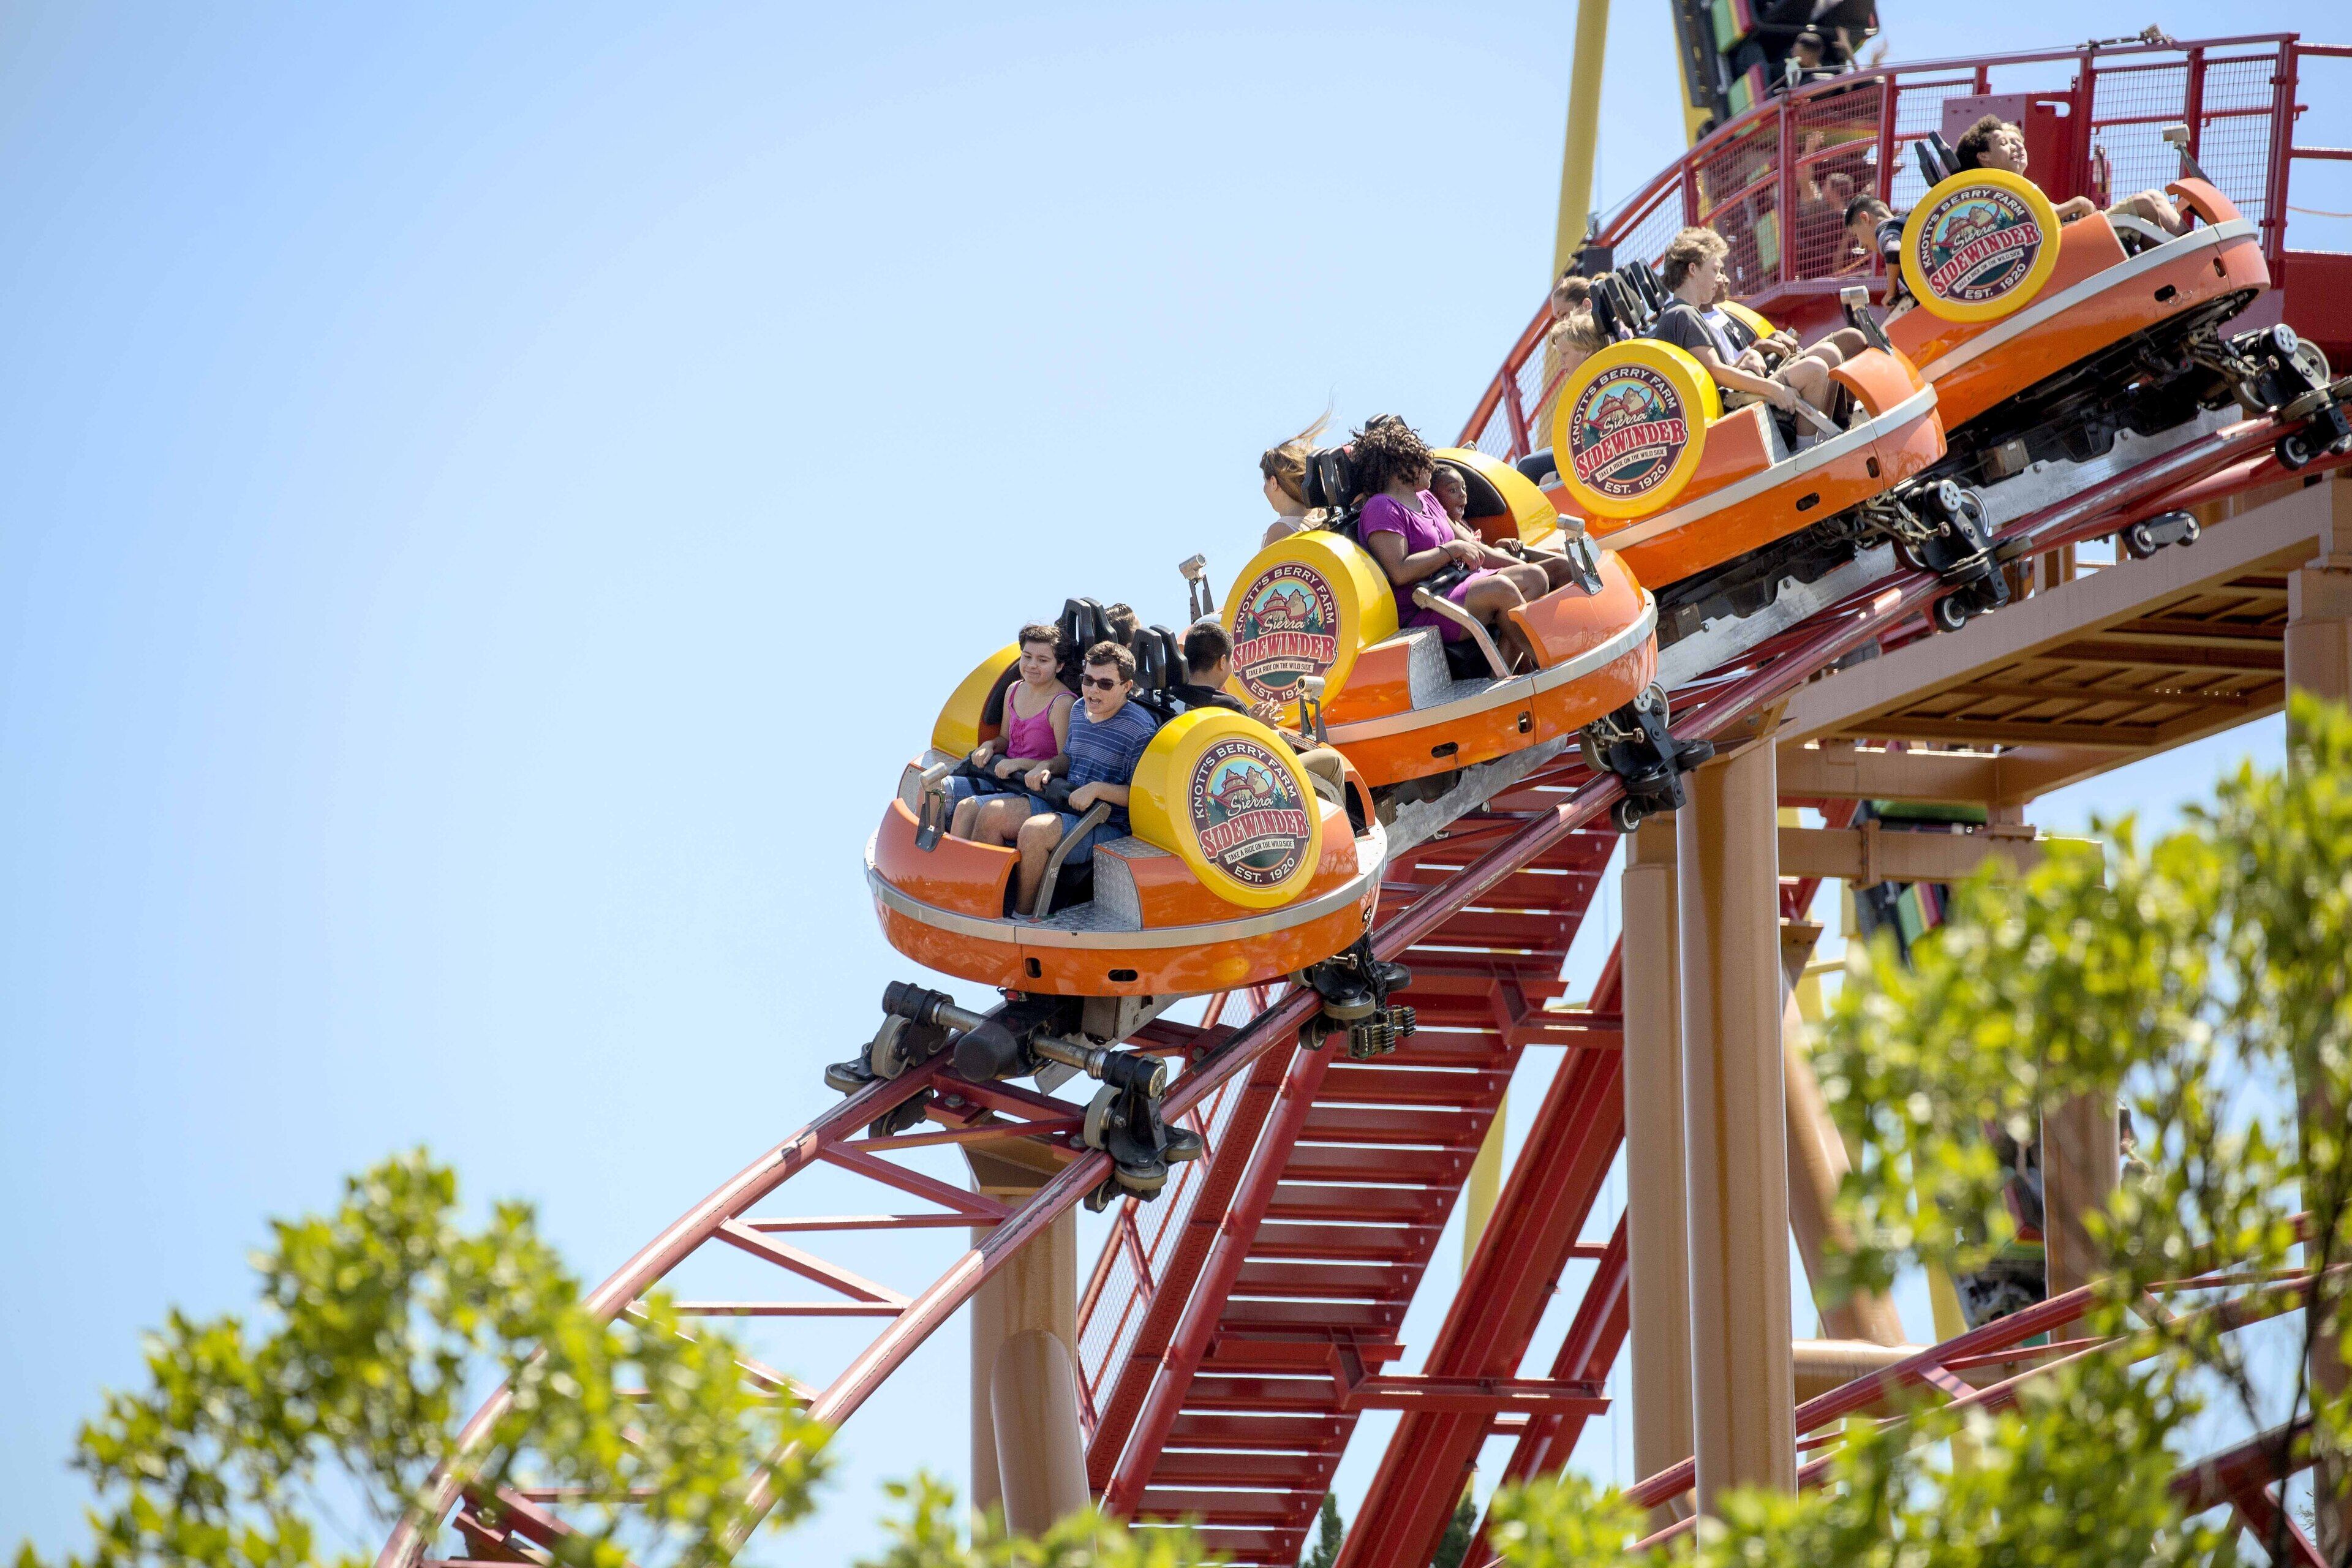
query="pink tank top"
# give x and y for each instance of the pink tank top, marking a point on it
(1030, 737)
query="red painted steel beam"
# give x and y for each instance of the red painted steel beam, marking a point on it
(2263, 1459)
(2281, 1538)
(1543, 1206)
(1173, 1287)
(1587, 1353)
(1165, 1397)
(1479, 1395)
(763, 1176)
(1194, 1311)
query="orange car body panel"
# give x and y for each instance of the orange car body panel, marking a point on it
(967, 879)
(956, 875)
(1562, 625)
(1738, 447)
(2134, 303)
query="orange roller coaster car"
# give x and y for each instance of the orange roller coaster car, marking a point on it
(2061, 354)
(1239, 866)
(1716, 511)
(1236, 871)
(1411, 710)
(1706, 487)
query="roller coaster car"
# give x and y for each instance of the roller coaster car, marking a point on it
(1239, 868)
(1714, 510)
(2045, 342)
(1411, 710)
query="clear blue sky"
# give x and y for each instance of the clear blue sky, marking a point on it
(489, 496)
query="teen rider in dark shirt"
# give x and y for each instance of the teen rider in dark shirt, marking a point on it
(1876, 229)
(1209, 667)
(1691, 270)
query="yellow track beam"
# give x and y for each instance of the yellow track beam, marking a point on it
(1583, 130)
(1486, 1183)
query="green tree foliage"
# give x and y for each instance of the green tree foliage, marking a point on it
(302, 1437)
(2201, 982)
(930, 1535)
(1328, 1533)
(2075, 1477)
(1455, 1544)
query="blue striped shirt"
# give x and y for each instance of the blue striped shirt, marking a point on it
(1106, 753)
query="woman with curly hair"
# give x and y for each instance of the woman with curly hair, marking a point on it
(1408, 532)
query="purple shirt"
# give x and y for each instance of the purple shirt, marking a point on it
(1423, 529)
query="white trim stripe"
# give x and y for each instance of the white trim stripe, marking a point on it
(2066, 299)
(1519, 688)
(1916, 406)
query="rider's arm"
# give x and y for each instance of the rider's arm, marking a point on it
(1388, 548)
(1733, 379)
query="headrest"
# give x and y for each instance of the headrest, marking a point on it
(1938, 161)
(1330, 479)
(991, 707)
(1627, 308)
(1082, 625)
(1604, 312)
(1646, 282)
(1159, 660)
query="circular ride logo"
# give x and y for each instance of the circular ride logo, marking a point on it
(1628, 428)
(1286, 628)
(1248, 815)
(1977, 244)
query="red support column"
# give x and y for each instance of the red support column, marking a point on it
(1181, 1359)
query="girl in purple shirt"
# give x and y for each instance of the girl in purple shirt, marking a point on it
(1410, 535)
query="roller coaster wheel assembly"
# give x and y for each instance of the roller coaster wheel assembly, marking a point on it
(1355, 986)
(1635, 744)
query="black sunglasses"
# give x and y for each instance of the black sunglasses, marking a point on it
(1100, 683)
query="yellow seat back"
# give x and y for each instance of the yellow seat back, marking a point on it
(1527, 512)
(960, 726)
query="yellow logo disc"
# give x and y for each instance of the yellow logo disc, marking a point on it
(1306, 605)
(1979, 246)
(1223, 793)
(1630, 426)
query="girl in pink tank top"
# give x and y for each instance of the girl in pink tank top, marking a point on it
(1036, 724)
(1035, 735)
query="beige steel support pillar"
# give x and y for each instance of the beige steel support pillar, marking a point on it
(1734, 1124)
(1818, 1163)
(2082, 1156)
(1657, 1233)
(1028, 1450)
(2082, 1153)
(2319, 661)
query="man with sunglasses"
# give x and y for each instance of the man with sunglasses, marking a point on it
(1107, 735)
